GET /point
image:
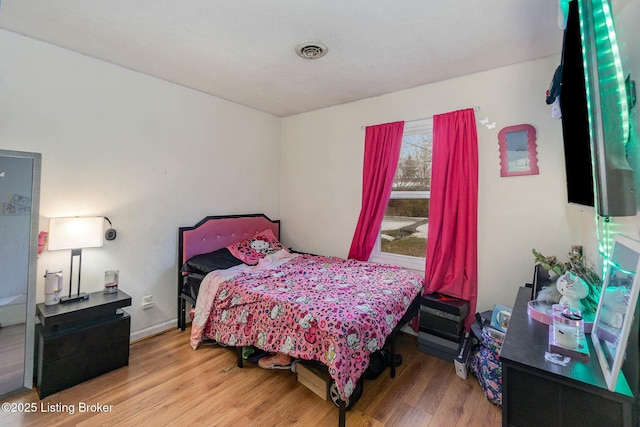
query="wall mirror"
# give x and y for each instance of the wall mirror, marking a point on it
(518, 154)
(19, 212)
(616, 309)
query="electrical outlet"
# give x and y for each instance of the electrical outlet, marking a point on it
(147, 301)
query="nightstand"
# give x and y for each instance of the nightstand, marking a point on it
(81, 340)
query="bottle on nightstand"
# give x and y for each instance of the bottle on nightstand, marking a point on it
(111, 281)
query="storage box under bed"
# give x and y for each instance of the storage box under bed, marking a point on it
(315, 377)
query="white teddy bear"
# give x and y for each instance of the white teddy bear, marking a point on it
(614, 305)
(573, 289)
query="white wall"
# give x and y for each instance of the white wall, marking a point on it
(321, 172)
(150, 155)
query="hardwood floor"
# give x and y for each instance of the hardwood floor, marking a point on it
(168, 383)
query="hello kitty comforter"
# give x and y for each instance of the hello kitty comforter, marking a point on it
(320, 308)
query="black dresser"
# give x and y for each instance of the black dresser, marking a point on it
(81, 340)
(540, 393)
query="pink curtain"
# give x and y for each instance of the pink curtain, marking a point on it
(381, 152)
(452, 245)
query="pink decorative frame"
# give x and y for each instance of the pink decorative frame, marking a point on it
(509, 140)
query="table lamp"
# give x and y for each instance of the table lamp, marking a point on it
(75, 233)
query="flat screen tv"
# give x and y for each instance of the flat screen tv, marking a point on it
(595, 112)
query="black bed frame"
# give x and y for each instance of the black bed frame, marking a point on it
(187, 282)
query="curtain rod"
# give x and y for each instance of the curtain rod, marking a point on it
(476, 108)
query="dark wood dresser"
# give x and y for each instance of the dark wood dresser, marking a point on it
(81, 340)
(540, 393)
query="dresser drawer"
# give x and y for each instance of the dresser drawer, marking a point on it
(74, 355)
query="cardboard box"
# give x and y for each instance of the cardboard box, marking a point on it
(315, 377)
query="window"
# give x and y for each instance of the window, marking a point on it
(403, 236)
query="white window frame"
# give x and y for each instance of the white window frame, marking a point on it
(406, 261)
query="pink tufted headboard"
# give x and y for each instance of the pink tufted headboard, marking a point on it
(216, 232)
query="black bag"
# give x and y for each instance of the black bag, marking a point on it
(378, 361)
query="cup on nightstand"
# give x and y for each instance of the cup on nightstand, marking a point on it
(111, 281)
(568, 327)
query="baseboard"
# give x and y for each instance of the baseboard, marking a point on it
(154, 330)
(13, 314)
(408, 330)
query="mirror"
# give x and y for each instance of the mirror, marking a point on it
(19, 201)
(518, 154)
(616, 308)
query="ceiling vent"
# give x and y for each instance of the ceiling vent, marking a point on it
(311, 50)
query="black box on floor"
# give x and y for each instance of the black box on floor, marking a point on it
(437, 346)
(443, 315)
(435, 324)
(452, 305)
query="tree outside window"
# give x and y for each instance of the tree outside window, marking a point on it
(403, 235)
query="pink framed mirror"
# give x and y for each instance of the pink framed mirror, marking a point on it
(518, 153)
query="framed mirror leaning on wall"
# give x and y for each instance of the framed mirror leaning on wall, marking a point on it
(616, 313)
(19, 212)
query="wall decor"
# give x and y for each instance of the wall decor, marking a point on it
(518, 153)
(485, 122)
(19, 205)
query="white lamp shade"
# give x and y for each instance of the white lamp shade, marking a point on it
(75, 233)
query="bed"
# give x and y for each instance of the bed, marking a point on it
(247, 289)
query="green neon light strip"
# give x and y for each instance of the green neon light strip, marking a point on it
(617, 62)
(610, 73)
(604, 242)
(617, 267)
(605, 247)
(610, 79)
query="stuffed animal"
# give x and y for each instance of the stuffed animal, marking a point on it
(614, 305)
(549, 294)
(573, 289)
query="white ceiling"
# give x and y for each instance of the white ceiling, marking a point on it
(243, 50)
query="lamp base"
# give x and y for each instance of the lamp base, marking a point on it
(74, 297)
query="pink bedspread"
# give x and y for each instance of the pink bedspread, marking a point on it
(310, 307)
